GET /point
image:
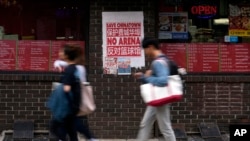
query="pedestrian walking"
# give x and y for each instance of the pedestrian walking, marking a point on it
(158, 76)
(76, 67)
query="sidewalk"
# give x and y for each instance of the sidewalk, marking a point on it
(225, 137)
(82, 139)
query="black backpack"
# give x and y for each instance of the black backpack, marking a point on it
(173, 67)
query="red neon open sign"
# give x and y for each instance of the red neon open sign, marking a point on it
(204, 11)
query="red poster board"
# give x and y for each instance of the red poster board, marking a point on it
(57, 45)
(175, 52)
(203, 57)
(33, 55)
(210, 57)
(235, 58)
(8, 54)
(77, 43)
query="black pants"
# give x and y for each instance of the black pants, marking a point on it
(82, 127)
(63, 128)
(71, 126)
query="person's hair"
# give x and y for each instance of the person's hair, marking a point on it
(74, 53)
(147, 41)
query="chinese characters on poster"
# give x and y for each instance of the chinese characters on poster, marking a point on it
(122, 34)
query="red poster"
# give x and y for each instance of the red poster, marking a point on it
(7, 55)
(33, 55)
(203, 57)
(175, 52)
(235, 58)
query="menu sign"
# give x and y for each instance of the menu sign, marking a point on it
(173, 25)
(175, 52)
(235, 58)
(239, 20)
(203, 58)
(33, 55)
(7, 54)
(55, 48)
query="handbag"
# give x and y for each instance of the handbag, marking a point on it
(87, 105)
(172, 92)
(158, 96)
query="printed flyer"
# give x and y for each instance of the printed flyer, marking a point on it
(124, 67)
(122, 35)
(110, 65)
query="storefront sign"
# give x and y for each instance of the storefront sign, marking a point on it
(173, 25)
(204, 11)
(239, 20)
(8, 54)
(33, 55)
(235, 58)
(210, 57)
(203, 58)
(122, 34)
(57, 45)
(176, 52)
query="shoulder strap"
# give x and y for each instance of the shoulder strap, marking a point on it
(173, 68)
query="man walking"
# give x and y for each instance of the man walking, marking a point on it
(158, 76)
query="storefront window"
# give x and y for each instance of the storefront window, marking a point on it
(42, 19)
(32, 32)
(214, 39)
(208, 20)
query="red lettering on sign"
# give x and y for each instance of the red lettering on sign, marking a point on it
(204, 10)
(213, 9)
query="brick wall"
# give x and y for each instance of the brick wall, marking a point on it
(222, 99)
(217, 98)
(23, 96)
(119, 104)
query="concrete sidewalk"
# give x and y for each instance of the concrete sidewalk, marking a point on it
(2, 136)
(83, 139)
(225, 137)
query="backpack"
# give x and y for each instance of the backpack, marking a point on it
(173, 67)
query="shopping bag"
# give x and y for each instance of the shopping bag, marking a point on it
(158, 96)
(87, 105)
